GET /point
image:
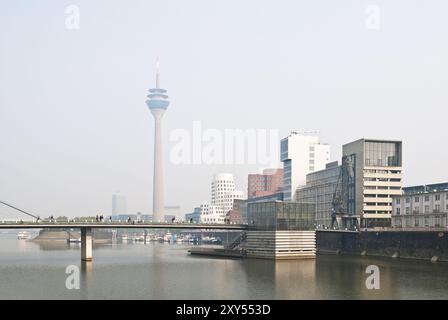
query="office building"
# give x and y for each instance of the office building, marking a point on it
(377, 176)
(319, 189)
(281, 230)
(301, 154)
(424, 206)
(264, 184)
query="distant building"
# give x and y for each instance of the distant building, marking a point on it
(424, 206)
(194, 216)
(319, 189)
(377, 167)
(301, 154)
(172, 211)
(119, 204)
(265, 184)
(233, 217)
(223, 194)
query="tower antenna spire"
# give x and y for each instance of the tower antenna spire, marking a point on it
(157, 74)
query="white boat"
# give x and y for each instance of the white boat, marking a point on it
(23, 235)
(167, 237)
(124, 238)
(74, 240)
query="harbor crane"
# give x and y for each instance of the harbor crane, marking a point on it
(341, 216)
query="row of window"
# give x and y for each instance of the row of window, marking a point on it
(426, 198)
(437, 222)
(427, 209)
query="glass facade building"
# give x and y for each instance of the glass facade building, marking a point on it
(281, 216)
(382, 154)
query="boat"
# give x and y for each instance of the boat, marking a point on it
(23, 235)
(124, 238)
(74, 240)
(167, 237)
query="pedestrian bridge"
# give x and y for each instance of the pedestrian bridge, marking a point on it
(87, 226)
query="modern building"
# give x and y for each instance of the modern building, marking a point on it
(158, 103)
(223, 194)
(240, 205)
(319, 189)
(195, 216)
(301, 154)
(119, 204)
(264, 184)
(377, 170)
(281, 230)
(424, 206)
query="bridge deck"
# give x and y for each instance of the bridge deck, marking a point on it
(112, 225)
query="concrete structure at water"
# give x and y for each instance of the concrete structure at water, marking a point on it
(158, 103)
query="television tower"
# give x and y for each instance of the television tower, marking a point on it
(158, 103)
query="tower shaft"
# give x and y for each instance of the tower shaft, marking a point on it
(158, 187)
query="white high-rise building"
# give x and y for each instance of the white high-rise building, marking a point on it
(223, 194)
(301, 154)
(119, 204)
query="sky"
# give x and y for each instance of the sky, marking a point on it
(74, 127)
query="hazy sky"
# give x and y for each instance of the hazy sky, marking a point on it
(74, 127)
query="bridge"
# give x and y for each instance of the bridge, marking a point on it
(87, 225)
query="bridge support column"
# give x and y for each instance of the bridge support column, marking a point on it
(86, 244)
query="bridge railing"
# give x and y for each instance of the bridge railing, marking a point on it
(100, 223)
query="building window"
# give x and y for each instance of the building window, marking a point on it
(416, 222)
(426, 209)
(397, 210)
(408, 200)
(397, 201)
(416, 199)
(437, 208)
(437, 197)
(408, 210)
(437, 223)
(426, 221)
(426, 198)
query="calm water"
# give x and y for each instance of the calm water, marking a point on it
(162, 271)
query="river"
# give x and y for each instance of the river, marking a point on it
(162, 271)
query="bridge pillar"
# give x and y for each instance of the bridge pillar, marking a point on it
(86, 244)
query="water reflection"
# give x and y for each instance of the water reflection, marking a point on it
(161, 271)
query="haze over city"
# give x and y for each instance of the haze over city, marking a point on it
(75, 128)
